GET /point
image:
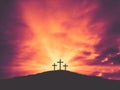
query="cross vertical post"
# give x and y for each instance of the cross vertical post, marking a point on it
(60, 62)
(54, 65)
(65, 66)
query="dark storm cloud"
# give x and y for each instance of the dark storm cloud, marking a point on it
(13, 32)
(115, 59)
(109, 11)
(6, 46)
(115, 75)
(111, 50)
(9, 35)
(111, 54)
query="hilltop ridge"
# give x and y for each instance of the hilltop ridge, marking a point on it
(58, 80)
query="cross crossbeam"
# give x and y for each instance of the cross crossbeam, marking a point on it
(65, 66)
(60, 62)
(60, 65)
(54, 66)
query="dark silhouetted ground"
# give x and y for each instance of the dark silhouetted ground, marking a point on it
(59, 80)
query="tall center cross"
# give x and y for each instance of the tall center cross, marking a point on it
(65, 66)
(60, 62)
(54, 65)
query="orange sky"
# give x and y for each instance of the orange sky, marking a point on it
(60, 29)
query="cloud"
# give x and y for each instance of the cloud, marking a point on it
(12, 32)
(6, 48)
(109, 44)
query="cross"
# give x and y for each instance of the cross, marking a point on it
(60, 62)
(54, 65)
(65, 66)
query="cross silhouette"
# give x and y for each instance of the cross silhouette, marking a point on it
(60, 62)
(54, 65)
(65, 66)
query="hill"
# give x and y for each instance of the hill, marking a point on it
(58, 80)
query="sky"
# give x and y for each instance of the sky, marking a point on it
(85, 34)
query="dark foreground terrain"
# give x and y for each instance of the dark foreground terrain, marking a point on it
(59, 80)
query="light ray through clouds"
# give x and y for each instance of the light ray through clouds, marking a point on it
(77, 31)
